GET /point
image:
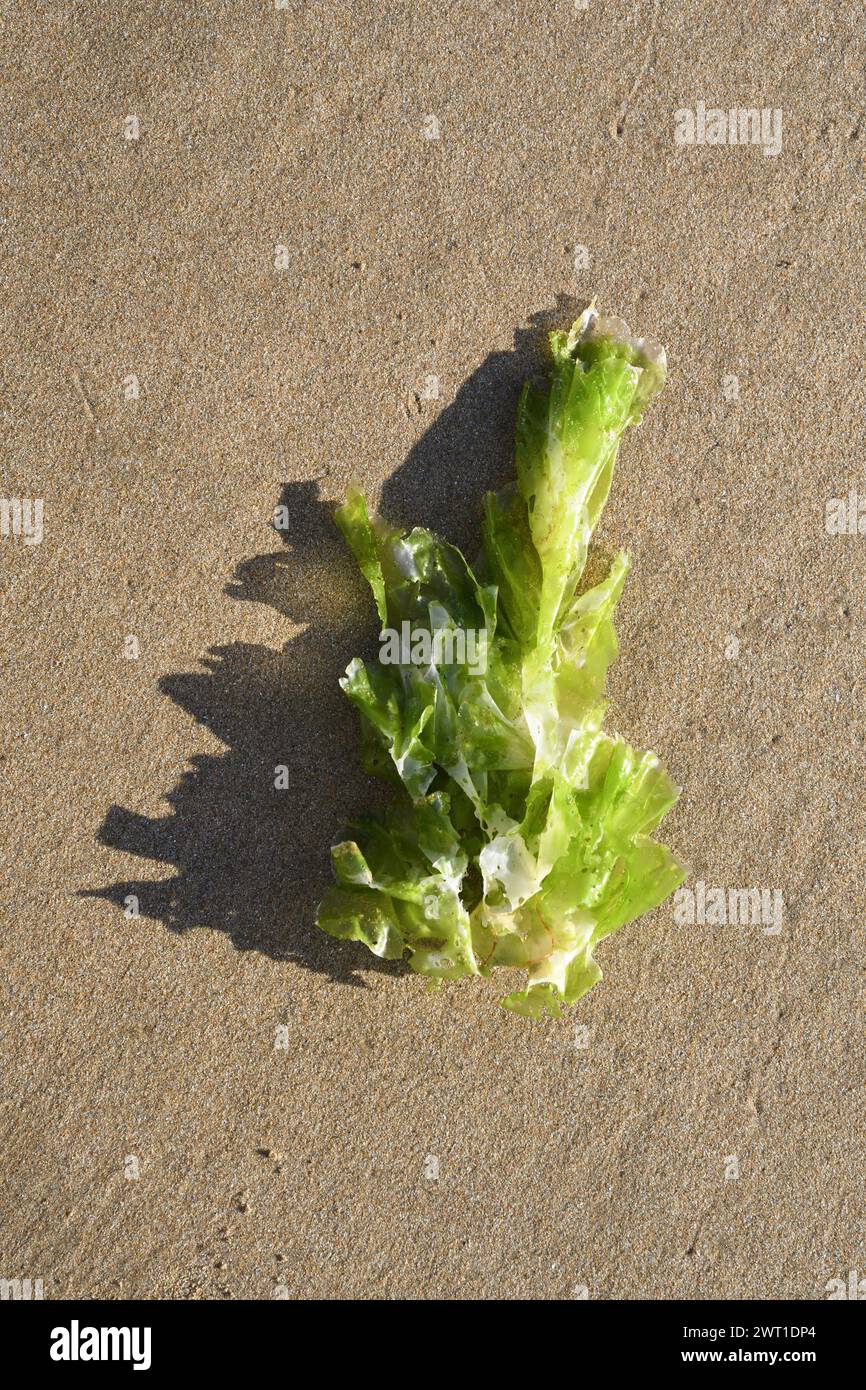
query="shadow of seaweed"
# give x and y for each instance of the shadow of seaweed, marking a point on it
(252, 860)
(469, 448)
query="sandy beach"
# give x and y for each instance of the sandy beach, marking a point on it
(256, 252)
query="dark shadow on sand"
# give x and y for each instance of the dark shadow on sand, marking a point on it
(251, 860)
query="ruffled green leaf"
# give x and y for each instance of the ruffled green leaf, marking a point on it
(523, 835)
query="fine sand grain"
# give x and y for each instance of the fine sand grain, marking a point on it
(212, 1100)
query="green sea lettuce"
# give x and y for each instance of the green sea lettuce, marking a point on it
(522, 833)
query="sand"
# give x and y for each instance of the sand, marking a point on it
(212, 1100)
